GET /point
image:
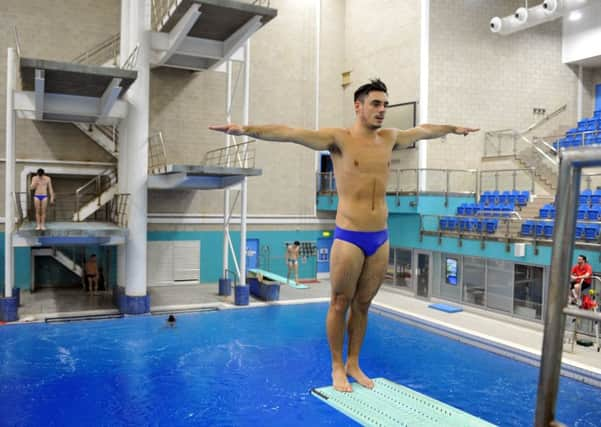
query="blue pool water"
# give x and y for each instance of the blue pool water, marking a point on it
(251, 367)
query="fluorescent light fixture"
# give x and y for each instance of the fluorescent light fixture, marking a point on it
(575, 15)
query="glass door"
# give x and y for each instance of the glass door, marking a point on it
(422, 273)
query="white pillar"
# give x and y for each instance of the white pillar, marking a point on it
(244, 184)
(424, 68)
(9, 185)
(226, 191)
(136, 147)
(579, 94)
(122, 167)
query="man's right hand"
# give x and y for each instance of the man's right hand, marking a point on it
(230, 129)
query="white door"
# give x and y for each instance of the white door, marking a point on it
(171, 262)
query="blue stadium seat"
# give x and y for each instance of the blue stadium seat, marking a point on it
(548, 229)
(527, 228)
(585, 197)
(491, 225)
(523, 198)
(443, 223)
(596, 197)
(582, 211)
(591, 231)
(461, 209)
(451, 223)
(597, 114)
(579, 230)
(539, 229)
(593, 213)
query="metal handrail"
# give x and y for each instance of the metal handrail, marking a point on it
(545, 119)
(514, 173)
(570, 168)
(106, 50)
(162, 11)
(17, 41)
(98, 188)
(553, 161)
(157, 155)
(20, 217)
(132, 59)
(240, 155)
(118, 209)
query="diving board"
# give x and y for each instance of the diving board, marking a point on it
(391, 404)
(276, 278)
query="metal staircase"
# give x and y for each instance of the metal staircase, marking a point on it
(106, 137)
(61, 258)
(528, 151)
(95, 194)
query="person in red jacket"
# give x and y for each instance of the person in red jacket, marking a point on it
(580, 279)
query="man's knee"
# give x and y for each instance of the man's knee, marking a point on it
(340, 302)
(362, 305)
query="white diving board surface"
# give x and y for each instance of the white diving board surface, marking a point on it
(390, 404)
(276, 278)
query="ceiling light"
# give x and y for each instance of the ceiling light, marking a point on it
(575, 15)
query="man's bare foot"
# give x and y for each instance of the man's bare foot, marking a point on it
(37, 227)
(356, 372)
(340, 381)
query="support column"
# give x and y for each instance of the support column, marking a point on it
(244, 183)
(135, 165)
(226, 191)
(9, 304)
(424, 68)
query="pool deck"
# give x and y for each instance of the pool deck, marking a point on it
(524, 336)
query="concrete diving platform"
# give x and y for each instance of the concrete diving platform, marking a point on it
(203, 34)
(69, 92)
(69, 234)
(195, 177)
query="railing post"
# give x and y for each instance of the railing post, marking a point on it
(532, 180)
(446, 193)
(486, 140)
(497, 181)
(514, 143)
(514, 177)
(561, 257)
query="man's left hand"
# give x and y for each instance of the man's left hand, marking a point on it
(464, 131)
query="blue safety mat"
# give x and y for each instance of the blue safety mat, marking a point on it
(276, 278)
(446, 308)
(390, 404)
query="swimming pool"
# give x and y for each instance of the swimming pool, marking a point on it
(250, 367)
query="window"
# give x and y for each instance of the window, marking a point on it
(474, 270)
(528, 291)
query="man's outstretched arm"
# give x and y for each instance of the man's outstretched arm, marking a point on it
(407, 137)
(316, 139)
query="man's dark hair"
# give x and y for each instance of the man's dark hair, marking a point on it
(583, 257)
(373, 85)
(40, 172)
(296, 243)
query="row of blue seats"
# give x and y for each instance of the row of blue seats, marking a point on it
(506, 197)
(590, 197)
(497, 209)
(475, 225)
(545, 229)
(586, 133)
(585, 125)
(579, 140)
